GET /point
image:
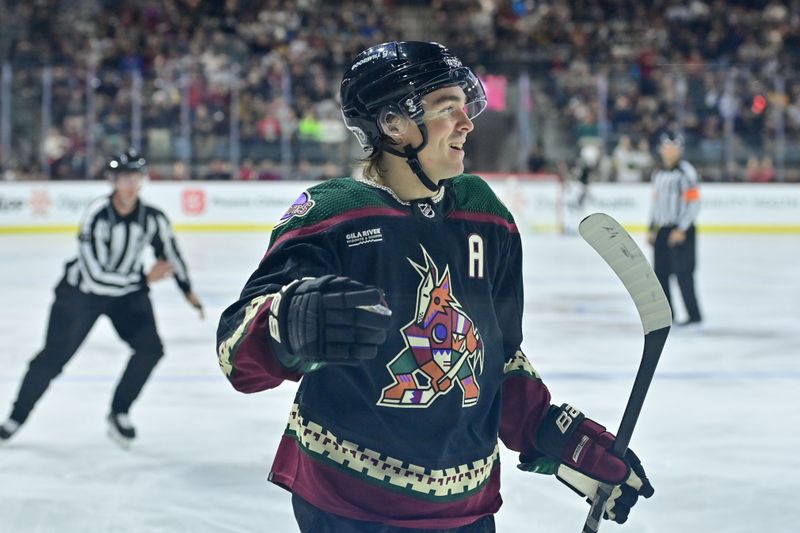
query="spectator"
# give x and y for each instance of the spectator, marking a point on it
(759, 171)
(267, 171)
(630, 163)
(536, 159)
(219, 171)
(247, 171)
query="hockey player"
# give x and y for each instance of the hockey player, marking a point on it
(107, 278)
(676, 203)
(396, 301)
(576, 183)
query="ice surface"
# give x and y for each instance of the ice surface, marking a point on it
(718, 433)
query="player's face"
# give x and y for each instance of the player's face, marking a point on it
(670, 153)
(448, 126)
(126, 188)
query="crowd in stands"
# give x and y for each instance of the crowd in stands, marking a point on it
(691, 65)
(723, 71)
(284, 59)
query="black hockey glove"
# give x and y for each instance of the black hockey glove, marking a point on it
(578, 451)
(328, 319)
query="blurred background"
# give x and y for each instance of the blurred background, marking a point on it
(248, 90)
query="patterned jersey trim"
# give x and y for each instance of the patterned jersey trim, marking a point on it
(227, 348)
(519, 365)
(442, 485)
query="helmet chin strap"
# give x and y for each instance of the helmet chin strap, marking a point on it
(411, 155)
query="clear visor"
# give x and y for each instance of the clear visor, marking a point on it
(451, 109)
(439, 104)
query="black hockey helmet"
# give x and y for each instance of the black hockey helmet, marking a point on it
(127, 161)
(393, 78)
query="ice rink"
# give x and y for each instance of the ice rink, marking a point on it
(718, 434)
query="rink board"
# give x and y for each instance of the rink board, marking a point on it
(538, 205)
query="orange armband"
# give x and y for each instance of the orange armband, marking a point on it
(692, 194)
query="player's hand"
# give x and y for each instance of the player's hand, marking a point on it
(625, 493)
(327, 320)
(583, 458)
(194, 301)
(676, 237)
(161, 269)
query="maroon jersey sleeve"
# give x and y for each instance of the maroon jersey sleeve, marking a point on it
(526, 399)
(243, 348)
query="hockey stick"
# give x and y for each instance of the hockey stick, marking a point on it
(621, 253)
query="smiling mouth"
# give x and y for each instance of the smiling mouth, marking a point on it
(457, 146)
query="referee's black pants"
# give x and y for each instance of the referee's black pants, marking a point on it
(678, 260)
(311, 519)
(71, 318)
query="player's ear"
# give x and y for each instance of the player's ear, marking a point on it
(393, 123)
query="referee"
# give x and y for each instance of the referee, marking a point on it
(676, 202)
(107, 278)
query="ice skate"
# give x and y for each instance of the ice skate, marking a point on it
(8, 429)
(689, 326)
(120, 429)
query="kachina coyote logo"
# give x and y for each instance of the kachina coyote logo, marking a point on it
(444, 351)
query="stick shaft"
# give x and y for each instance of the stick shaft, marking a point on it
(653, 345)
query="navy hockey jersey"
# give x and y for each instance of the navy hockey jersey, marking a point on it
(409, 438)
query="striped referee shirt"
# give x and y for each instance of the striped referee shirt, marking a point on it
(676, 196)
(111, 249)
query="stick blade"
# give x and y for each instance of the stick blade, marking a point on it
(620, 252)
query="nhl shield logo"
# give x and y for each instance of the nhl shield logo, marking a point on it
(426, 209)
